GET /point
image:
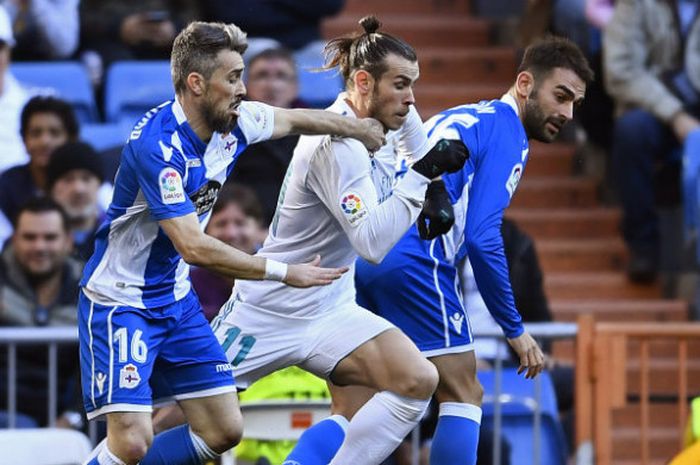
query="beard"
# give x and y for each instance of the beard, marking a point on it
(535, 121)
(221, 123)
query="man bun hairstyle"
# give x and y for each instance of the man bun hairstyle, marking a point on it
(366, 51)
(551, 52)
(196, 47)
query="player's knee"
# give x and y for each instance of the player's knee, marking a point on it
(463, 389)
(419, 383)
(133, 449)
(224, 436)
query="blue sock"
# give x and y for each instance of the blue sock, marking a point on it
(318, 444)
(456, 435)
(178, 446)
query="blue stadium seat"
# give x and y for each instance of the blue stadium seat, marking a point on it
(104, 136)
(134, 87)
(67, 80)
(316, 88)
(518, 402)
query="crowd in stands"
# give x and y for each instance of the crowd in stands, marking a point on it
(55, 188)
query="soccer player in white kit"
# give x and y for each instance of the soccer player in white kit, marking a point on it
(337, 203)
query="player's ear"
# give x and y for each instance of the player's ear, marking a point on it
(196, 84)
(524, 84)
(363, 81)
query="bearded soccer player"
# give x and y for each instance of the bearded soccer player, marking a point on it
(416, 286)
(143, 335)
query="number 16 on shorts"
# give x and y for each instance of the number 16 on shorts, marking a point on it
(137, 349)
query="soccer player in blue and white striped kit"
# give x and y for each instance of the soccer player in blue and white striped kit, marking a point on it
(416, 286)
(143, 335)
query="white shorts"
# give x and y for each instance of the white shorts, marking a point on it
(258, 341)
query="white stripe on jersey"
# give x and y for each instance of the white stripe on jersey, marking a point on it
(111, 354)
(445, 321)
(123, 260)
(92, 355)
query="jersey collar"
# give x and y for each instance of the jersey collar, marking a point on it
(507, 98)
(184, 125)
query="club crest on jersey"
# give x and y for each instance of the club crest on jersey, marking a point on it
(353, 207)
(514, 179)
(171, 190)
(129, 376)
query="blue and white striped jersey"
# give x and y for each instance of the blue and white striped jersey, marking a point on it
(166, 171)
(480, 192)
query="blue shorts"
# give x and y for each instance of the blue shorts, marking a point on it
(418, 291)
(131, 358)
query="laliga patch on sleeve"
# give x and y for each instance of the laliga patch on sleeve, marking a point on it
(514, 179)
(353, 207)
(171, 190)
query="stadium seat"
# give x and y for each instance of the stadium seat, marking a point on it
(44, 446)
(134, 87)
(104, 136)
(67, 80)
(318, 89)
(518, 402)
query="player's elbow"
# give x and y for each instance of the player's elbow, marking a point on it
(193, 253)
(373, 256)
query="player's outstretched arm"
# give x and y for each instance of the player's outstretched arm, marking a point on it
(318, 122)
(199, 249)
(530, 354)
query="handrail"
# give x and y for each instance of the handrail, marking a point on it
(602, 356)
(15, 335)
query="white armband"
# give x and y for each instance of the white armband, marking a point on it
(274, 270)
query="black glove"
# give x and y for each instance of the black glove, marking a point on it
(437, 216)
(447, 156)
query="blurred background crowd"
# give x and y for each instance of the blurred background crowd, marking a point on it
(605, 222)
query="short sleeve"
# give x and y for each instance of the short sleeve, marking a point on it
(256, 121)
(160, 174)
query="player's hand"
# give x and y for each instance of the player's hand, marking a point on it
(437, 216)
(310, 274)
(530, 354)
(371, 134)
(447, 156)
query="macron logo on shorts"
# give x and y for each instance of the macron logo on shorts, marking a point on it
(223, 367)
(171, 190)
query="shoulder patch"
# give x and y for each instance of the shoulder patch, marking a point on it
(353, 207)
(514, 179)
(171, 190)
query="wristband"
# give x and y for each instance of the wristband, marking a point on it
(274, 270)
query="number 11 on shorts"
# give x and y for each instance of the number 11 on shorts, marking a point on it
(246, 344)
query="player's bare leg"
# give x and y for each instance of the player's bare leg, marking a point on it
(391, 364)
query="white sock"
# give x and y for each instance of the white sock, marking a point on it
(203, 451)
(378, 428)
(106, 457)
(98, 448)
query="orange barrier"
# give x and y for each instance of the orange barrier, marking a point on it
(603, 356)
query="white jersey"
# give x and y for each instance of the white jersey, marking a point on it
(339, 201)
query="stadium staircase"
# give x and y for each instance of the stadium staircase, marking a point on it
(578, 239)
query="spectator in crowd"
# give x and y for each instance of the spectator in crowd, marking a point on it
(272, 79)
(46, 123)
(651, 57)
(273, 23)
(132, 29)
(44, 29)
(235, 220)
(12, 99)
(74, 176)
(39, 288)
